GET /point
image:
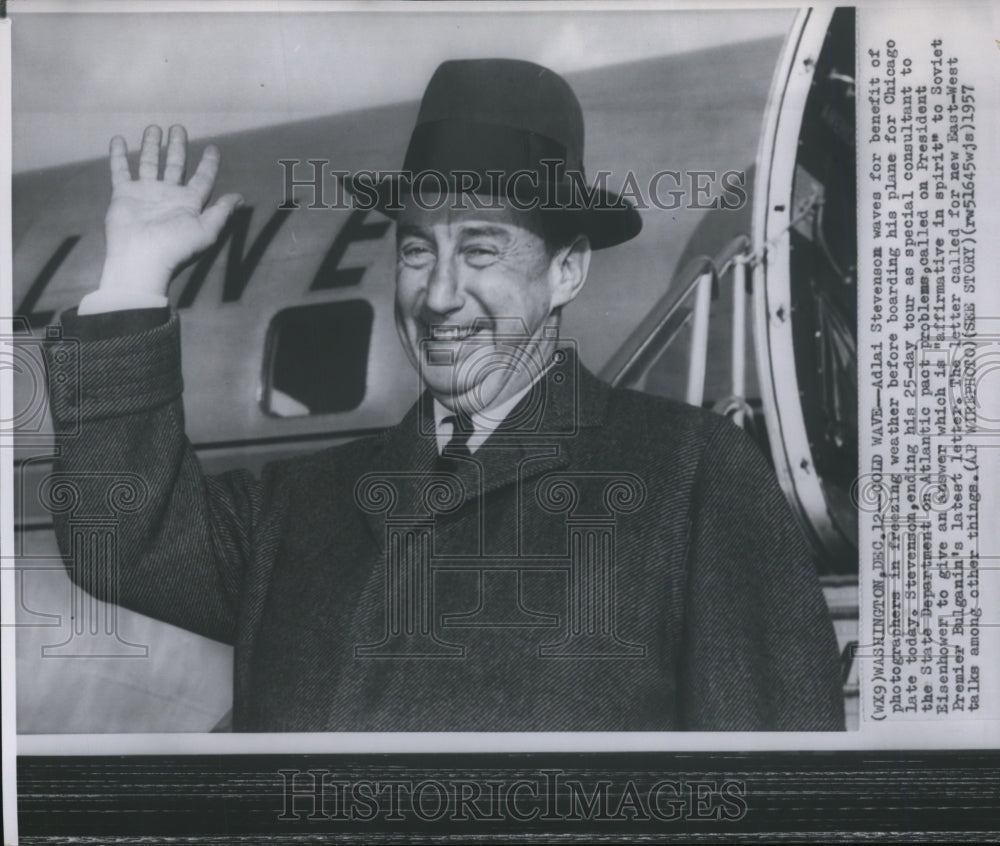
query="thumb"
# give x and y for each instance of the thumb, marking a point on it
(216, 215)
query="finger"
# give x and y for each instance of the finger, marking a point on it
(204, 176)
(120, 172)
(173, 172)
(216, 215)
(149, 156)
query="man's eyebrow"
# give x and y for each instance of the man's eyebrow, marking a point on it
(473, 230)
(487, 230)
(404, 230)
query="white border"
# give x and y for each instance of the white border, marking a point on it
(892, 736)
(243, 743)
(20, 7)
(8, 659)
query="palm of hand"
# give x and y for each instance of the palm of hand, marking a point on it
(163, 218)
(154, 224)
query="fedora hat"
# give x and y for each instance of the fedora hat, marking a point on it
(506, 129)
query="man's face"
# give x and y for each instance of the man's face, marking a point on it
(475, 294)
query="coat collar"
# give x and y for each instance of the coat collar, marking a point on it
(537, 437)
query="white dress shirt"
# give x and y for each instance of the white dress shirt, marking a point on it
(483, 422)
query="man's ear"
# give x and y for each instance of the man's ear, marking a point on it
(569, 269)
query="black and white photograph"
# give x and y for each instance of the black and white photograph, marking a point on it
(493, 379)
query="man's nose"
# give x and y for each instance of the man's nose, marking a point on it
(444, 288)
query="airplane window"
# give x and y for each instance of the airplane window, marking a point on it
(317, 358)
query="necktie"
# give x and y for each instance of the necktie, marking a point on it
(458, 443)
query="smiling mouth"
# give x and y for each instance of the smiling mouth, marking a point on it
(454, 332)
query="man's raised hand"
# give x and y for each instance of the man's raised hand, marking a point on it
(153, 224)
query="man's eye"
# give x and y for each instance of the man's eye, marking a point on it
(415, 254)
(478, 255)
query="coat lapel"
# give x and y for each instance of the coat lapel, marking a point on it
(404, 461)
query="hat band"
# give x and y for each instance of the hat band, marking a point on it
(448, 146)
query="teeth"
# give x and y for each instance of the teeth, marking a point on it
(450, 333)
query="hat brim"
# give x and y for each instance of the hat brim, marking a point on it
(606, 218)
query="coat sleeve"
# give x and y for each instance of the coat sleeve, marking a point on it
(137, 521)
(760, 652)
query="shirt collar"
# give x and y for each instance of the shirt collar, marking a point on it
(484, 422)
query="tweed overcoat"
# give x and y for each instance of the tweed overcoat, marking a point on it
(614, 561)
